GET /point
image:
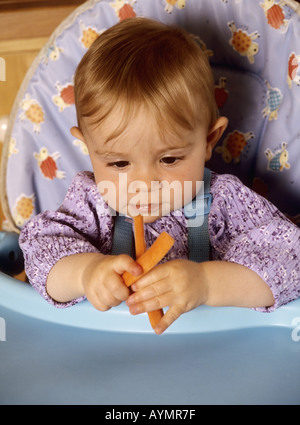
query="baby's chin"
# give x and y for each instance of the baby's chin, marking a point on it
(150, 218)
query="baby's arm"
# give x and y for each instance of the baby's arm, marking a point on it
(183, 285)
(232, 284)
(255, 253)
(77, 233)
(248, 230)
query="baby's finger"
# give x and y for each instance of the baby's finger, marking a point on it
(97, 302)
(155, 290)
(156, 274)
(170, 316)
(116, 291)
(152, 304)
(124, 263)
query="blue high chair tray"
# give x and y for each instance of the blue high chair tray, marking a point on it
(223, 355)
(81, 356)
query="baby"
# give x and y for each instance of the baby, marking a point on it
(145, 106)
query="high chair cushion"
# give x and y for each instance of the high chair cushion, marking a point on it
(254, 50)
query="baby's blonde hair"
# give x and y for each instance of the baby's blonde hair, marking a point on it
(143, 63)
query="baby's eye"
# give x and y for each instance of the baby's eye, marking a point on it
(119, 164)
(169, 160)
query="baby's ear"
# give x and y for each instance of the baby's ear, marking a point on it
(76, 132)
(214, 135)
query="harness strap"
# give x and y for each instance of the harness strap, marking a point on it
(123, 242)
(198, 235)
(196, 213)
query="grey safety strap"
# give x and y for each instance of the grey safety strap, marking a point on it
(197, 216)
(123, 242)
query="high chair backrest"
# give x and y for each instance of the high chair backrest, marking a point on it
(254, 50)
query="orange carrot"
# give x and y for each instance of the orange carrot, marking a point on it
(148, 261)
(155, 316)
(140, 248)
(140, 244)
(151, 257)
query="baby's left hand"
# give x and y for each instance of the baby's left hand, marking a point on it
(177, 284)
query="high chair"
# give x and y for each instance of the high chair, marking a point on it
(209, 355)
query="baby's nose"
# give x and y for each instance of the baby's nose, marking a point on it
(146, 185)
(146, 180)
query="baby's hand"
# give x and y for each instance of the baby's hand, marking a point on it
(102, 281)
(176, 284)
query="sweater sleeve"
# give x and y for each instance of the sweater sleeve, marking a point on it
(247, 229)
(81, 224)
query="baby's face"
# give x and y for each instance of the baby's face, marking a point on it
(139, 173)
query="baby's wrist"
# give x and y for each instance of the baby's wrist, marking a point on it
(92, 260)
(205, 283)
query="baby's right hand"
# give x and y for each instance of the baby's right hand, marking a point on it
(102, 280)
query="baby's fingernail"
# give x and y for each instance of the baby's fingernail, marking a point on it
(158, 330)
(137, 269)
(134, 310)
(129, 301)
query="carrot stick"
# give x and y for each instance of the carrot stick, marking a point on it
(151, 257)
(155, 316)
(140, 249)
(140, 244)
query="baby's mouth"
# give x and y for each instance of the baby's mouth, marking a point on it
(146, 208)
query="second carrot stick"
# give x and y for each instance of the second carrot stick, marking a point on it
(148, 259)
